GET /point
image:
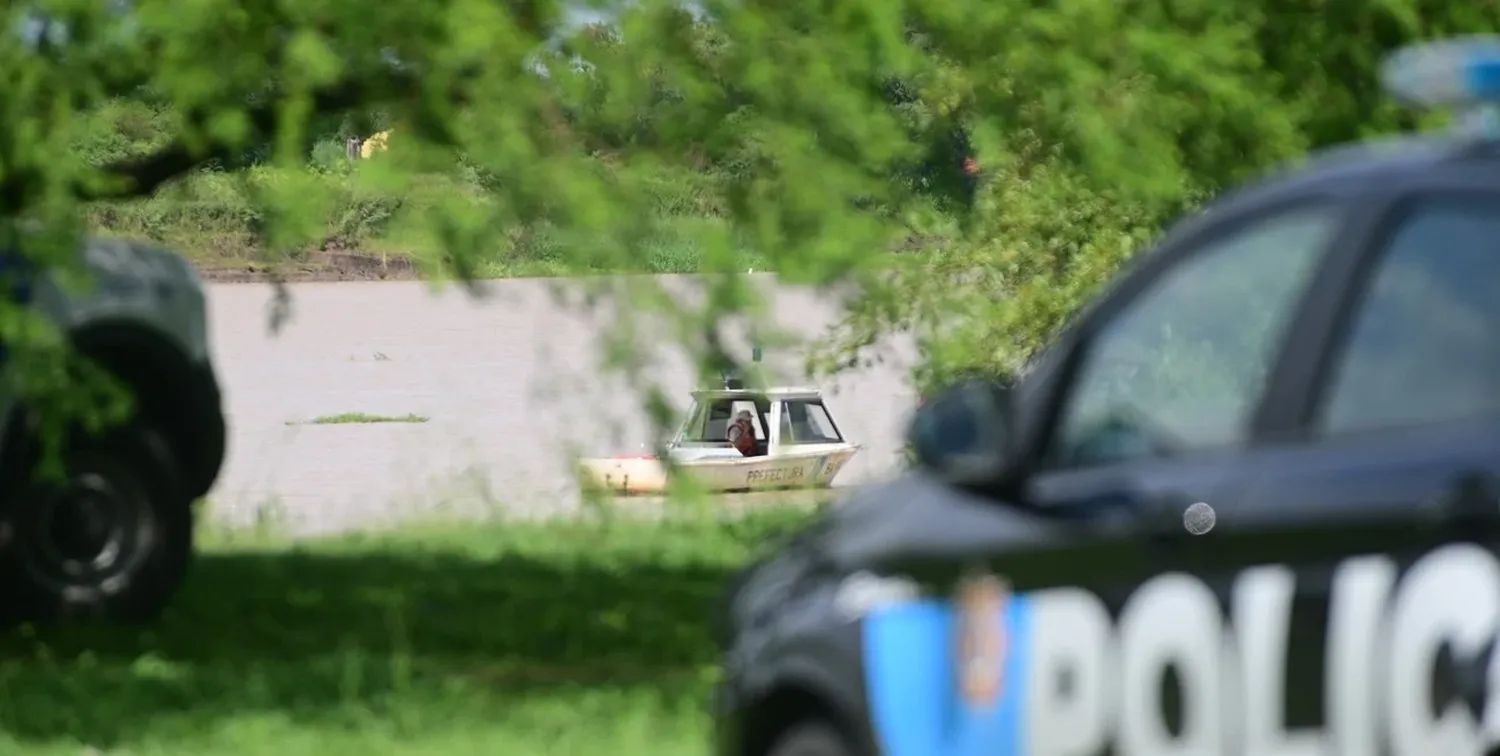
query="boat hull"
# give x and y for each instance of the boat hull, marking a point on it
(719, 474)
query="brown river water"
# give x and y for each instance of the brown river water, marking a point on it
(511, 384)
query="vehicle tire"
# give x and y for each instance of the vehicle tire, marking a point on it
(111, 540)
(811, 738)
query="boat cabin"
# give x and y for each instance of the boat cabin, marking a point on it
(785, 419)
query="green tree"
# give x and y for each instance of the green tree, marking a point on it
(1190, 98)
(1095, 122)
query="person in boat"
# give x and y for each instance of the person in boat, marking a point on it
(741, 433)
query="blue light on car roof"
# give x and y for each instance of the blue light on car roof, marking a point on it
(1461, 73)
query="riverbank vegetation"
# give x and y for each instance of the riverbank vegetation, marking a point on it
(212, 219)
(539, 638)
(831, 143)
(215, 217)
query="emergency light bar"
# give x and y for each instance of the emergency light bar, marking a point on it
(1461, 74)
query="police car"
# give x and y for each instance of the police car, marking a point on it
(1248, 503)
(112, 536)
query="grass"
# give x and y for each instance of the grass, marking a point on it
(211, 219)
(563, 638)
(360, 418)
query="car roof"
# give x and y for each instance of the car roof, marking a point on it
(1357, 165)
(1343, 170)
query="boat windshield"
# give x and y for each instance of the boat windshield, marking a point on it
(710, 418)
(806, 421)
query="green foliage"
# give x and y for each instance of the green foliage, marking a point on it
(806, 137)
(330, 156)
(1185, 99)
(124, 129)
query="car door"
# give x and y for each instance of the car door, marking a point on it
(1162, 388)
(1398, 418)
(1384, 483)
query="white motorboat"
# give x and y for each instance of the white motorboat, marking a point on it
(797, 446)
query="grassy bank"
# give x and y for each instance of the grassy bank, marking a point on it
(216, 220)
(568, 639)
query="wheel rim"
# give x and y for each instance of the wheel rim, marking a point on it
(88, 535)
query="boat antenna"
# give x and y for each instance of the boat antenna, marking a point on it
(733, 380)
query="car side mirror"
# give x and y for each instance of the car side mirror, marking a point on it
(964, 435)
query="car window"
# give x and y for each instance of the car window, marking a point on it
(1424, 344)
(1182, 366)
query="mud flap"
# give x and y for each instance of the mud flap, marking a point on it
(915, 709)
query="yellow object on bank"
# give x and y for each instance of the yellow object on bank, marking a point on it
(378, 142)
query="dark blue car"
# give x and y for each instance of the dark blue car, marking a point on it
(1248, 503)
(112, 536)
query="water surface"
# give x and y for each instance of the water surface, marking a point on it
(511, 384)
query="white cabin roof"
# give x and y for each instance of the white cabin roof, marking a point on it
(772, 392)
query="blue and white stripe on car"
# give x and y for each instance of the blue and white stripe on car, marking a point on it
(914, 701)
